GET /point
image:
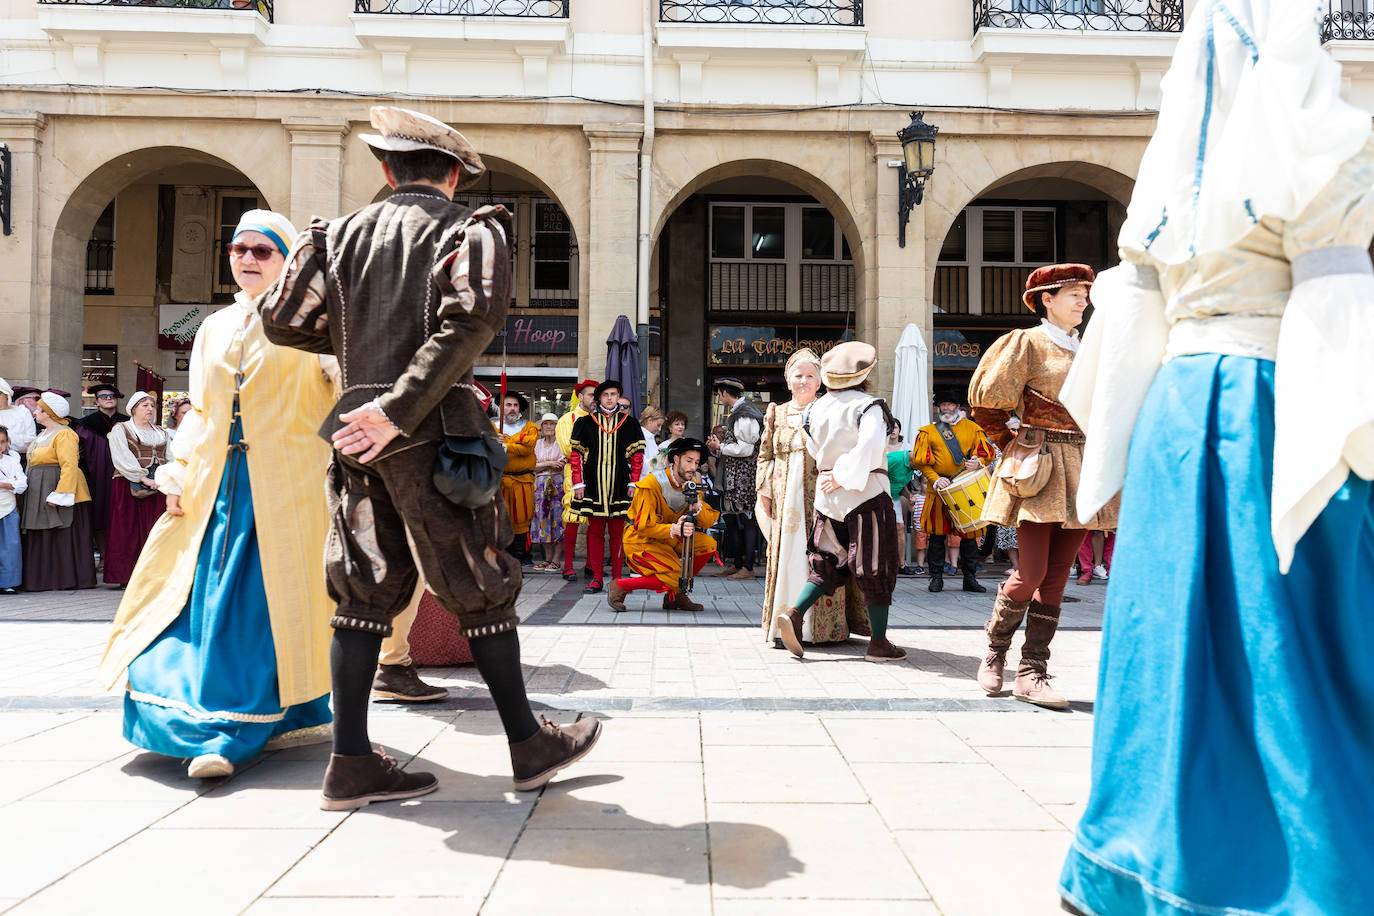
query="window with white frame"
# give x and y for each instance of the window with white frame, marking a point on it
(987, 255)
(778, 257)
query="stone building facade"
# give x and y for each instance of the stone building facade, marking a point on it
(764, 169)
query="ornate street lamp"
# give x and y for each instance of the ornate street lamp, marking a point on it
(918, 153)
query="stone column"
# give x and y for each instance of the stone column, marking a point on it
(896, 276)
(24, 344)
(316, 168)
(612, 246)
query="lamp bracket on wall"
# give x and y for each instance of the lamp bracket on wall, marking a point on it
(6, 180)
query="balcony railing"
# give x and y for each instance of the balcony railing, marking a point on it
(827, 287)
(1080, 15)
(526, 9)
(262, 7)
(764, 12)
(1348, 20)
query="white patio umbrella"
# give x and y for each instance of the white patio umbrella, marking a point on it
(911, 390)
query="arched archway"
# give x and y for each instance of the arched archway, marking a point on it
(758, 257)
(1038, 213)
(169, 204)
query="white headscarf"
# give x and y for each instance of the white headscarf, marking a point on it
(1251, 125)
(5, 389)
(57, 404)
(133, 401)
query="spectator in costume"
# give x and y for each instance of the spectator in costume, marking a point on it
(94, 429)
(223, 632)
(138, 446)
(846, 432)
(650, 425)
(585, 393)
(738, 455)
(546, 528)
(17, 418)
(56, 519)
(13, 483)
(517, 480)
(943, 450)
(660, 520)
(607, 458)
(25, 396)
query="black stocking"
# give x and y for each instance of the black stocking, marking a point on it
(498, 661)
(749, 540)
(353, 665)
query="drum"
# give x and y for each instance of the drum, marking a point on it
(964, 498)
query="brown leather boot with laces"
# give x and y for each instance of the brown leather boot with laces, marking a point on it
(1033, 686)
(354, 782)
(790, 630)
(535, 760)
(990, 671)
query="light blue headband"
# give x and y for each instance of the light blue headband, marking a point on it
(273, 225)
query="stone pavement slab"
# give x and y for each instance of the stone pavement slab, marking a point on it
(731, 778)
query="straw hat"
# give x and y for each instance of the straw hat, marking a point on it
(406, 131)
(847, 364)
(1043, 279)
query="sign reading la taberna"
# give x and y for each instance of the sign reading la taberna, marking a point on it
(177, 325)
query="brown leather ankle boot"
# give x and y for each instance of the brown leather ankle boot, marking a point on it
(535, 760)
(1032, 675)
(1001, 627)
(790, 630)
(354, 782)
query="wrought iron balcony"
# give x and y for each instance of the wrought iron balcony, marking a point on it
(1080, 15)
(764, 12)
(526, 9)
(1349, 20)
(262, 7)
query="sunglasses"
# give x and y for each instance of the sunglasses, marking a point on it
(260, 252)
(104, 397)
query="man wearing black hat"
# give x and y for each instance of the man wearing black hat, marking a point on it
(96, 463)
(353, 286)
(517, 480)
(944, 450)
(739, 457)
(653, 546)
(607, 458)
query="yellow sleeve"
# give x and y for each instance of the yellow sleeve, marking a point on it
(521, 445)
(707, 517)
(68, 448)
(562, 433)
(649, 510)
(923, 456)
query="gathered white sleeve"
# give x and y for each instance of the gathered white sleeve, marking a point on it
(1325, 342)
(854, 467)
(171, 477)
(747, 432)
(125, 462)
(1116, 363)
(12, 473)
(21, 427)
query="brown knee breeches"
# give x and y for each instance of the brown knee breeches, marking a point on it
(370, 568)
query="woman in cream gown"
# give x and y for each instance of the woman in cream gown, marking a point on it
(786, 485)
(233, 573)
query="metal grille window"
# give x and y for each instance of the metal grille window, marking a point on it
(988, 254)
(232, 206)
(553, 257)
(100, 254)
(778, 257)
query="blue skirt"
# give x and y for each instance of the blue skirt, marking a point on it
(11, 553)
(208, 684)
(1233, 744)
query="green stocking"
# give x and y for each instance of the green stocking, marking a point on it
(810, 594)
(877, 619)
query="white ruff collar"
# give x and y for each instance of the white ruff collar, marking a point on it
(1066, 339)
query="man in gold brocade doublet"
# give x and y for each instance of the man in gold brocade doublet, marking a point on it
(943, 450)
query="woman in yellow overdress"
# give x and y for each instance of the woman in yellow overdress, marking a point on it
(232, 576)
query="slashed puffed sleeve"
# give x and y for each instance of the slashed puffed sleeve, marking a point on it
(295, 310)
(996, 389)
(1325, 341)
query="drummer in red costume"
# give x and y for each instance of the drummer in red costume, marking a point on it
(944, 450)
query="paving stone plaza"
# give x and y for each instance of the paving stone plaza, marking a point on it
(731, 777)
